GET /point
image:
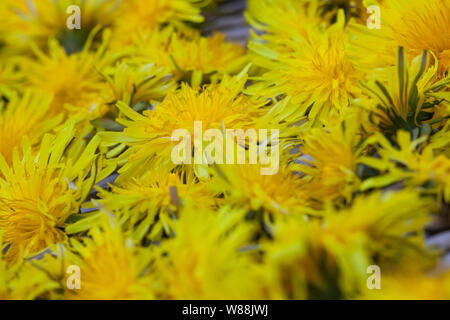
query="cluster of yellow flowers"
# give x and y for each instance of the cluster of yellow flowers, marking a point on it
(86, 175)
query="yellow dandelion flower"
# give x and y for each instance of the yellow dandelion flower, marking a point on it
(5, 21)
(143, 159)
(393, 221)
(329, 258)
(37, 21)
(416, 25)
(188, 54)
(149, 136)
(74, 80)
(410, 161)
(22, 281)
(146, 16)
(352, 8)
(38, 193)
(330, 157)
(290, 17)
(10, 78)
(25, 116)
(206, 55)
(282, 193)
(204, 260)
(282, 18)
(145, 205)
(400, 103)
(133, 84)
(112, 268)
(148, 47)
(313, 72)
